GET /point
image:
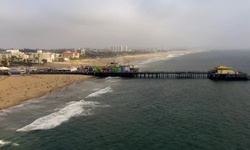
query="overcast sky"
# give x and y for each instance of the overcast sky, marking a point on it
(135, 23)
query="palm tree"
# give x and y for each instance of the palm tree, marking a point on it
(44, 61)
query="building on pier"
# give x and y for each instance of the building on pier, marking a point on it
(226, 73)
(224, 70)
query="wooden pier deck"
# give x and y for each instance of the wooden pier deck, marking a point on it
(148, 74)
(145, 74)
(159, 75)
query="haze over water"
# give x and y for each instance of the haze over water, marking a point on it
(118, 113)
(137, 23)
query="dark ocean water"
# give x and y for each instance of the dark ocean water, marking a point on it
(117, 113)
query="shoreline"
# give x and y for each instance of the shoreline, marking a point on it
(17, 89)
(126, 59)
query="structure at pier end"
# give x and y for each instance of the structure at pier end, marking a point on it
(226, 73)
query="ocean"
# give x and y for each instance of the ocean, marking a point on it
(122, 113)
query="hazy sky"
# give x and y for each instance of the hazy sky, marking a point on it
(135, 23)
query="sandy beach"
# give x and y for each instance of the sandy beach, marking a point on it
(16, 89)
(128, 59)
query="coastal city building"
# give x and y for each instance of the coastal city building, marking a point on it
(38, 57)
(5, 55)
(41, 57)
(71, 55)
(119, 48)
(17, 55)
(83, 52)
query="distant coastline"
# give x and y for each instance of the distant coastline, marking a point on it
(16, 89)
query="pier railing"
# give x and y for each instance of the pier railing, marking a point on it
(160, 74)
(144, 74)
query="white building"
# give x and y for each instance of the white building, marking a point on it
(13, 51)
(83, 51)
(119, 48)
(19, 55)
(39, 57)
(5, 55)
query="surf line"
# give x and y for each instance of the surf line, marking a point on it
(55, 119)
(100, 92)
(73, 109)
(4, 143)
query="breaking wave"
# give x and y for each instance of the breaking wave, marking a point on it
(100, 92)
(164, 57)
(149, 60)
(4, 143)
(173, 55)
(108, 78)
(53, 120)
(159, 58)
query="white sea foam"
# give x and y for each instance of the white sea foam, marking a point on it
(5, 112)
(3, 143)
(15, 144)
(53, 120)
(171, 55)
(112, 79)
(16, 108)
(168, 57)
(100, 92)
(150, 60)
(44, 96)
(109, 78)
(159, 58)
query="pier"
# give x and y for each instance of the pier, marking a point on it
(148, 74)
(145, 74)
(159, 75)
(219, 73)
